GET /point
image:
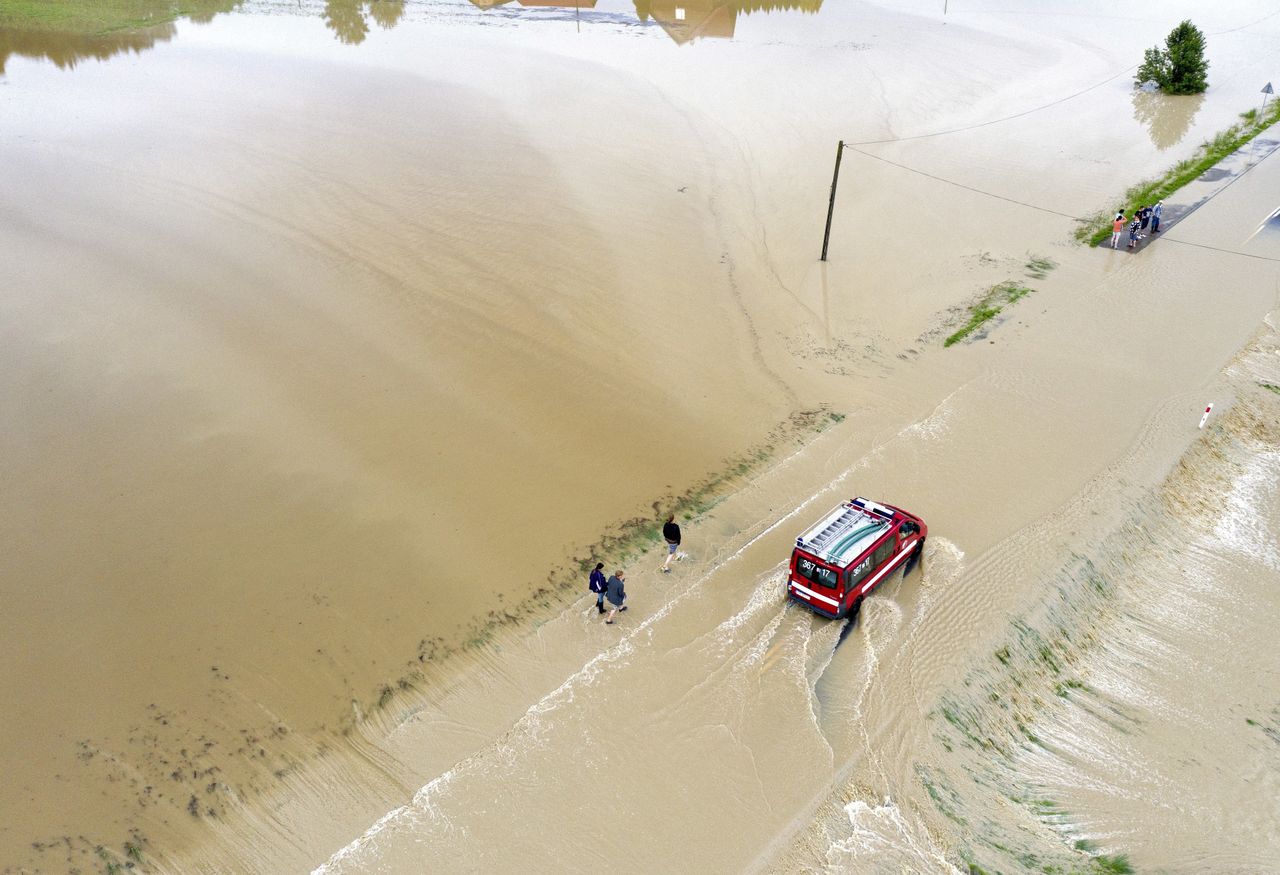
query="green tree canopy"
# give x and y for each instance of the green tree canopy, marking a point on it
(1179, 68)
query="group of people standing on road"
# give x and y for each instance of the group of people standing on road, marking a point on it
(613, 588)
(1142, 216)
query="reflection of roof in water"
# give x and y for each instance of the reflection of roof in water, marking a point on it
(683, 20)
(549, 4)
(686, 21)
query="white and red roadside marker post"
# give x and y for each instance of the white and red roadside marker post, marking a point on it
(1205, 418)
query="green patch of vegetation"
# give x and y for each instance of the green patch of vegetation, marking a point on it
(1097, 228)
(104, 16)
(989, 307)
(944, 798)
(1046, 656)
(1063, 688)
(1039, 266)
(1270, 387)
(133, 852)
(112, 867)
(1045, 807)
(1029, 735)
(1251, 721)
(1117, 864)
(972, 864)
(1085, 845)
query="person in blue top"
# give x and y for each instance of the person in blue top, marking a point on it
(598, 585)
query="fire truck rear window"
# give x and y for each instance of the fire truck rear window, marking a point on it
(811, 570)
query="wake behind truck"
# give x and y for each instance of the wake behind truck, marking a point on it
(849, 552)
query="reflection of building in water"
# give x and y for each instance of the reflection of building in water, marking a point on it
(545, 4)
(683, 20)
(90, 32)
(688, 20)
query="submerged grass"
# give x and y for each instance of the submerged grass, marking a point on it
(1116, 864)
(1097, 228)
(989, 307)
(995, 718)
(1039, 266)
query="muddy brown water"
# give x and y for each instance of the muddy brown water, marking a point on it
(320, 354)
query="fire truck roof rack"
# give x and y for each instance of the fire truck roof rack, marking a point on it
(846, 531)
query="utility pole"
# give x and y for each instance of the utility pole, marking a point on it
(831, 206)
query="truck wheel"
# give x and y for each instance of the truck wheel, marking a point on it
(914, 559)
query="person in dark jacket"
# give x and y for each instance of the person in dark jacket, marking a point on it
(598, 585)
(670, 534)
(616, 595)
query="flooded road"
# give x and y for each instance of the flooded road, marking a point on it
(335, 336)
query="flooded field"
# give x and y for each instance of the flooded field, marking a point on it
(337, 337)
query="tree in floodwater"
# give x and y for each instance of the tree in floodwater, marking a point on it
(1180, 67)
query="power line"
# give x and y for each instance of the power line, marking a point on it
(1219, 249)
(996, 121)
(967, 187)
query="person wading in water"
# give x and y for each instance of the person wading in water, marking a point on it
(671, 534)
(598, 585)
(616, 594)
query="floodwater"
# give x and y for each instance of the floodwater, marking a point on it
(336, 335)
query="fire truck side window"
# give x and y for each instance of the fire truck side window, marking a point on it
(883, 552)
(867, 566)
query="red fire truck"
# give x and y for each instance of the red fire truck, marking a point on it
(849, 552)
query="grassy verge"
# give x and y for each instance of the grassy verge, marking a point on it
(1097, 228)
(988, 307)
(97, 17)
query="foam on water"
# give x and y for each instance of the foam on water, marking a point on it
(882, 836)
(1243, 526)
